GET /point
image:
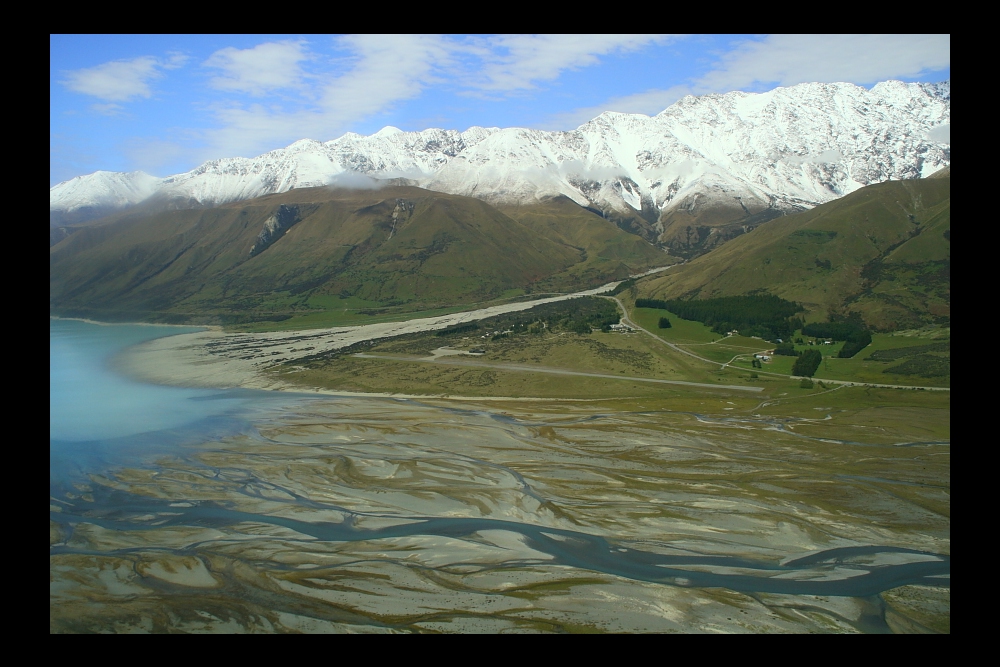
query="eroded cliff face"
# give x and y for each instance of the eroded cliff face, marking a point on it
(400, 214)
(275, 227)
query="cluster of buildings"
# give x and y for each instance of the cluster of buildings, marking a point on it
(496, 333)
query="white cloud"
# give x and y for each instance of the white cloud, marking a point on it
(109, 109)
(649, 103)
(176, 60)
(152, 155)
(786, 60)
(577, 169)
(381, 71)
(116, 81)
(386, 69)
(352, 180)
(863, 59)
(258, 70)
(940, 134)
(389, 68)
(516, 62)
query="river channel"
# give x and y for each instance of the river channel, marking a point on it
(200, 510)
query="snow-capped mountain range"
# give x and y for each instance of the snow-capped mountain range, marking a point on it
(787, 148)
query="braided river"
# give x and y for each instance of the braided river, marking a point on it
(179, 509)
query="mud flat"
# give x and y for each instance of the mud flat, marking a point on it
(379, 515)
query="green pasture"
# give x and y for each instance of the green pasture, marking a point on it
(680, 331)
(726, 348)
(701, 340)
(857, 368)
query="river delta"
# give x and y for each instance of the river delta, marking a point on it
(283, 512)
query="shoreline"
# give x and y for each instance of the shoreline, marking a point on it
(134, 324)
(188, 365)
(212, 358)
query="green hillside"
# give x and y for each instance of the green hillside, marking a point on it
(882, 252)
(305, 255)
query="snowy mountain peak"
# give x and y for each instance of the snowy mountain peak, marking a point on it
(786, 148)
(387, 131)
(304, 145)
(103, 189)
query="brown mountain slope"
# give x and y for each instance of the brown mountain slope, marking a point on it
(292, 253)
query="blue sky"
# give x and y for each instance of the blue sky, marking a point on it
(164, 104)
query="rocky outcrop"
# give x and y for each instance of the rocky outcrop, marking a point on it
(274, 228)
(400, 214)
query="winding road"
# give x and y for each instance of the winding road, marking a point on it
(849, 383)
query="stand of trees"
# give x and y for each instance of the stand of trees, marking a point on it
(763, 315)
(807, 363)
(856, 337)
(622, 286)
(664, 323)
(858, 342)
(458, 328)
(577, 315)
(651, 303)
(786, 349)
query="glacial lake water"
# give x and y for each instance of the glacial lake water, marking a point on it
(176, 509)
(98, 418)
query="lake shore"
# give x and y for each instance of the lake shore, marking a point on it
(518, 515)
(185, 361)
(213, 327)
(216, 359)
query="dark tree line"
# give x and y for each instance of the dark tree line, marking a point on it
(622, 286)
(764, 315)
(807, 363)
(855, 336)
(855, 345)
(458, 328)
(576, 315)
(786, 349)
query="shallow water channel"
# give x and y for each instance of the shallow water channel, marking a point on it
(238, 511)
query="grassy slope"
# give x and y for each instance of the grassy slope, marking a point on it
(865, 413)
(344, 255)
(699, 339)
(880, 251)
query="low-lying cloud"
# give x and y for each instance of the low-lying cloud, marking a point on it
(826, 157)
(940, 134)
(353, 180)
(577, 169)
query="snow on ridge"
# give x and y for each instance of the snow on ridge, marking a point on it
(787, 147)
(103, 189)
